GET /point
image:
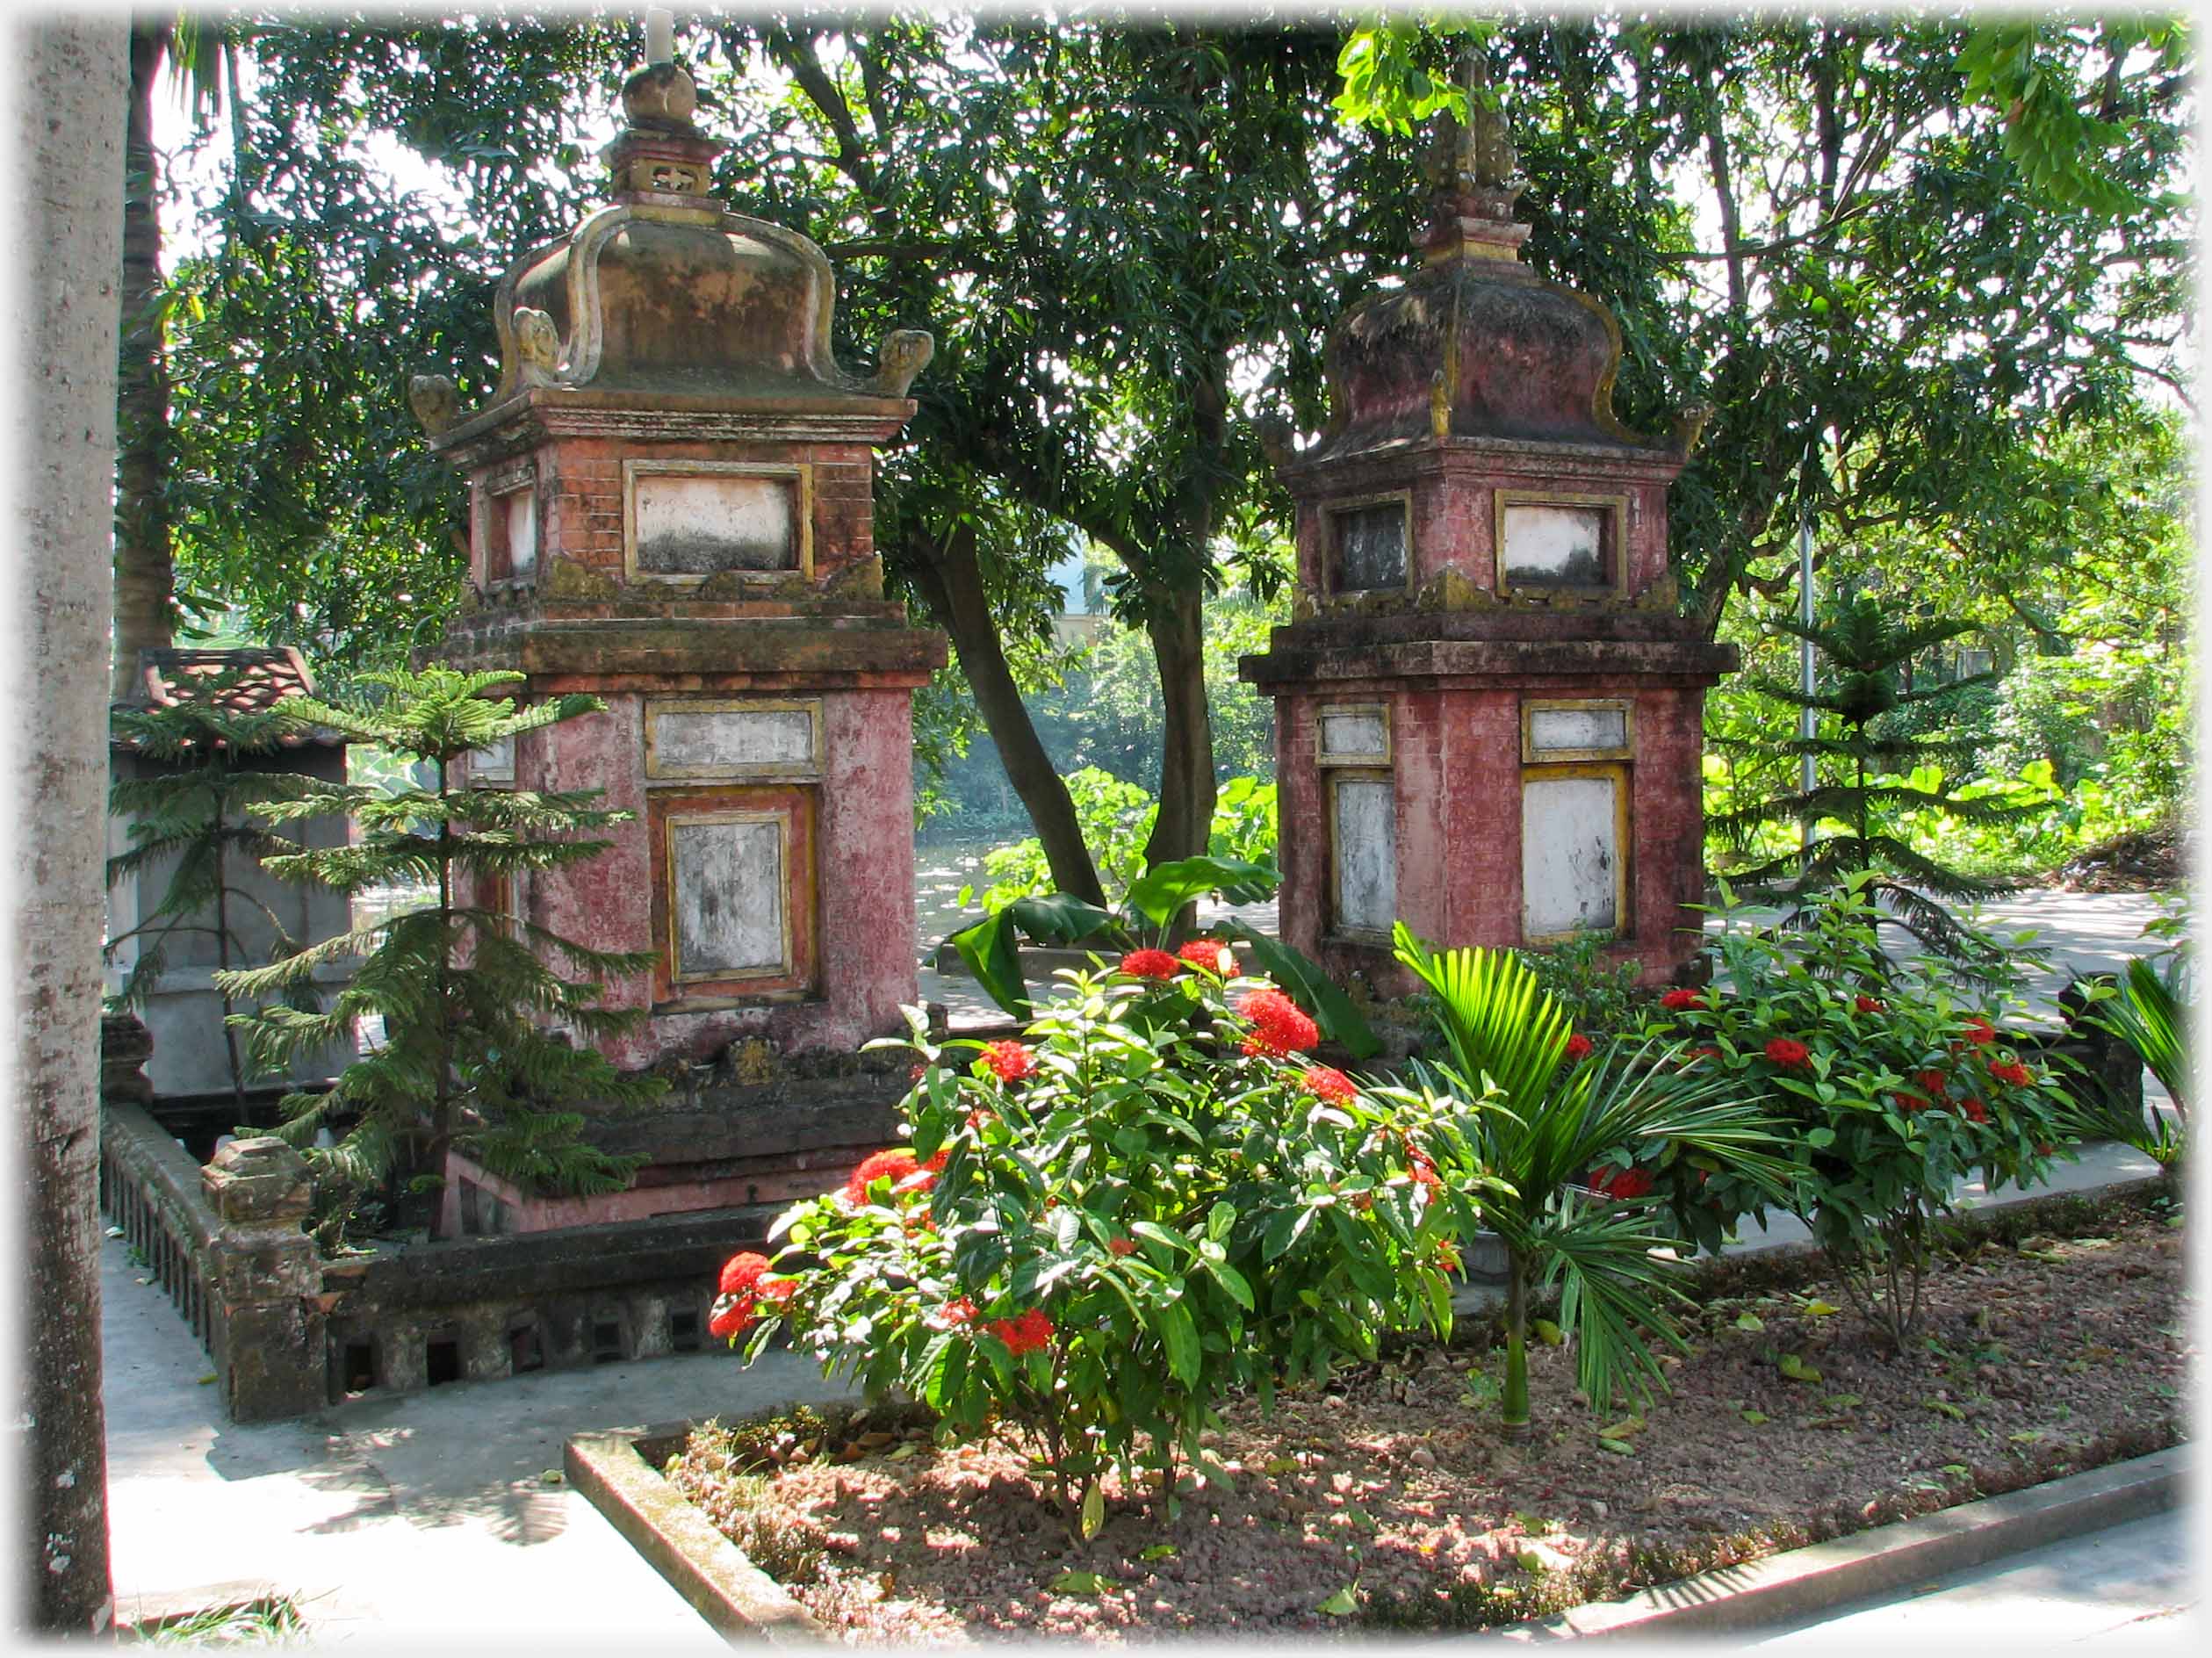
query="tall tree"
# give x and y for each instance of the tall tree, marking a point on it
(1109, 226)
(69, 122)
(144, 579)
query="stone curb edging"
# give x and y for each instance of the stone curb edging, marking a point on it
(736, 1598)
(1762, 1593)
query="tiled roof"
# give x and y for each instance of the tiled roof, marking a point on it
(256, 678)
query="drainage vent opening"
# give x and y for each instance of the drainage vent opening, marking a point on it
(444, 1361)
(524, 1349)
(360, 1370)
(606, 1343)
(683, 1332)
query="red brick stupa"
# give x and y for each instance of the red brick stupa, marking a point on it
(1488, 710)
(672, 497)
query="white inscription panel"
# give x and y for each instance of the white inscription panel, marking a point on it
(1554, 729)
(519, 508)
(729, 899)
(730, 742)
(1555, 546)
(695, 524)
(1366, 854)
(1354, 734)
(1570, 855)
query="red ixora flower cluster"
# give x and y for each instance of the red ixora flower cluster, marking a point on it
(1676, 1000)
(1279, 1026)
(900, 1167)
(743, 1287)
(1210, 954)
(1326, 1081)
(1425, 1172)
(1024, 1332)
(1149, 964)
(1010, 1061)
(1783, 1051)
(1120, 1246)
(1868, 1004)
(1578, 1048)
(1623, 1183)
(1974, 1110)
(1980, 1031)
(2013, 1071)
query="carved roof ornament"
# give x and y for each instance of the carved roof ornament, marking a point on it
(1477, 154)
(1474, 173)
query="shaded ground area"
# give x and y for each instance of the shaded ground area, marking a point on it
(1393, 1487)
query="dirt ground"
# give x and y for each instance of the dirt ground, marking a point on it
(1388, 1499)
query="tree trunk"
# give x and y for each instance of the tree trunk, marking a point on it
(71, 87)
(1513, 1411)
(144, 579)
(1185, 823)
(952, 581)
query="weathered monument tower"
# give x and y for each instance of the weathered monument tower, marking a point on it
(1489, 712)
(672, 494)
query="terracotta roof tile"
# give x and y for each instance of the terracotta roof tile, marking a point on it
(260, 676)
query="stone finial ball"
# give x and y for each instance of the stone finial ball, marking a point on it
(660, 94)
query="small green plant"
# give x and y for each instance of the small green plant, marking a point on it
(271, 1621)
(1598, 997)
(1549, 1116)
(199, 810)
(1095, 1234)
(2151, 1011)
(1892, 1090)
(461, 985)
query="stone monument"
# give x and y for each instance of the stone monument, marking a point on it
(1488, 710)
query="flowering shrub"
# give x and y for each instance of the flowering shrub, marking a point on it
(1890, 1099)
(1095, 1233)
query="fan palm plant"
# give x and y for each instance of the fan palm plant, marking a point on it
(2150, 1013)
(1541, 1125)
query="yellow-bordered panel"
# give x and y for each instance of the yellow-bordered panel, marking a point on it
(788, 897)
(1324, 755)
(1380, 853)
(1333, 516)
(1615, 507)
(662, 767)
(800, 475)
(1531, 754)
(1557, 846)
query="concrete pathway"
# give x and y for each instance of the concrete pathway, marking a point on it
(425, 1520)
(2137, 1587)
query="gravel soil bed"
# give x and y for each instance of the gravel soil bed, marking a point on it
(1389, 1498)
